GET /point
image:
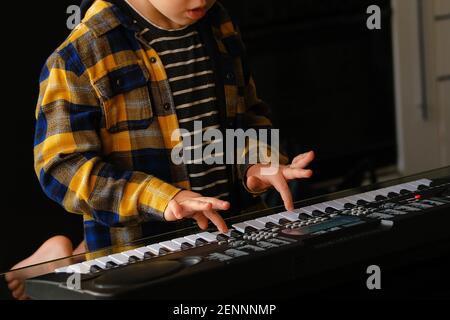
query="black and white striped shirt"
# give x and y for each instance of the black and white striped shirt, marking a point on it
(191, 80)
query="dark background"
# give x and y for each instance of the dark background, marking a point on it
(327, 77)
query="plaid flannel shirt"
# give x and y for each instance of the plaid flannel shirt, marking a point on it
(105, 118)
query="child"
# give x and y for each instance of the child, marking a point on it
(111, 97)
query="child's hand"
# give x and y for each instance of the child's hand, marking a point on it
(258, 182)
(188, 204)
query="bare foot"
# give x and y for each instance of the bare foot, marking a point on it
(52, 249)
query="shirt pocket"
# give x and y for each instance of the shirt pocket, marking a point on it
(125, 98)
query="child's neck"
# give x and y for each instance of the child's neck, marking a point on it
(146, 9)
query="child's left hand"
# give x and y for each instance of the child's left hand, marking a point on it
(258, 182)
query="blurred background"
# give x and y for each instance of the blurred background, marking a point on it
(373, 104)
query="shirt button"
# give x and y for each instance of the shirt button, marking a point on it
(230, 76)
(118, 82)
(166, 106)
(153, 60)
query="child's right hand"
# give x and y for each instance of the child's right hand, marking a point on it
(188, 204)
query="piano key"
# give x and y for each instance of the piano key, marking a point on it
(334, 204)
(265, 220)
(142, 250)
(256, 224)
(302, 213)
(320, 206)
(179, 241)
(192, 238)
(308, 210)
(208, 236)
(119, 258)
(95, 268)
(163, 251)
(133, 259)
(90, 263)
(62, 270)
(186, 245)
(170, 245)
(366, 196)
(200, 242)
(242, 227)
(79, 268)
(154, 248)
(426, 182)
(102, 261)
(291, 216)
(137, 253)
(111, 264)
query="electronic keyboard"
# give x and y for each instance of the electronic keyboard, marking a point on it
(261, 249)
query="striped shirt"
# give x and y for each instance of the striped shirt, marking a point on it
(191, 78)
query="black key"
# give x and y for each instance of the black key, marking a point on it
(187, 245)
(163, 251)
(95, 268)
(380, 198)
(148, 255)
(349, 206)
(404, 192)
(361, 202)
(392, 195)
(111, 264)
(222, 237)
(318, 213)
(422, 187)
(133, 259)
(303, 216)
(271, 225)
(235, 234)
(330, 210)
(250, 229)
(284, 221)
(200, 242)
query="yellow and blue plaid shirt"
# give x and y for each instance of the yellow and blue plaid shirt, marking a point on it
(105, 119)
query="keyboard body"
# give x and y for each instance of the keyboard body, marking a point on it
(263, 249)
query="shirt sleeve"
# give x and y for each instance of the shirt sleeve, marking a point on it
(68, 155)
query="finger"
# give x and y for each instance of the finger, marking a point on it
(13, 285)
(303, 160)
(217, 220)
(201, 220)
(296, 173)
(173, 212)
(192, 205)
(19, 291)
(217, 204)
(255, 184)
(282, 187)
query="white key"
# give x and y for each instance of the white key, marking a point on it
(309, 210)
(417, 183)
(334, 204)
(142, 251)
(366, 196)
(102, 261)
(321, 206)
(289, 215)
(154, 248)
(228, 234)
(79, 268)
(256, 224)
(192, 238)
(208, 236)
(179, 241)
(298, 211)
(62, 270)
(406, 186)
(264, 220)
(90, 263)
(240, 226)
(119, 258)
(275, 217)
(395, 189)
(172, 246)
(135, 253)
